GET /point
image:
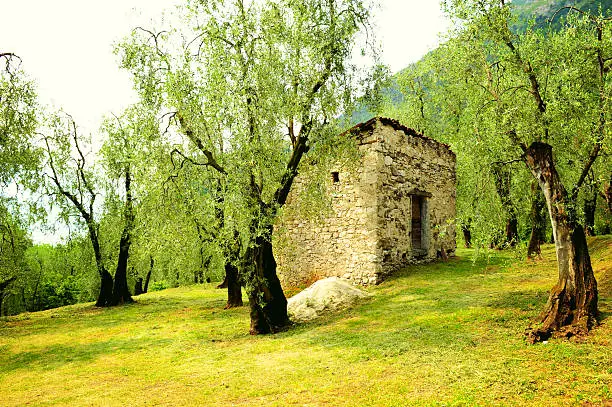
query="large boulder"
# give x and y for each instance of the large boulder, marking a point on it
(327, 295)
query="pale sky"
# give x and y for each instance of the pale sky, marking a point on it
(66, 47)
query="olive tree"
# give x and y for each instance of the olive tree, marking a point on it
(19, 161)
(254, 86)
(131, 141)
(542, 97)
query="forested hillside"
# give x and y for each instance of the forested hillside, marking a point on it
(526, 13)
(542, 10)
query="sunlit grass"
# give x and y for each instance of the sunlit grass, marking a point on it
(442, 334)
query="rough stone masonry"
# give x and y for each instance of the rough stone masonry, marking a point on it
(395, 208)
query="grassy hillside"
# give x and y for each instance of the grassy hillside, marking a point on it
(443, 334)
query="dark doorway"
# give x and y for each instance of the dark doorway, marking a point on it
(417, 223)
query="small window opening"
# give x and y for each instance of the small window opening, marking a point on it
(335, 177)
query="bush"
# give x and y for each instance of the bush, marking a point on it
(158, 286)
(53, 294)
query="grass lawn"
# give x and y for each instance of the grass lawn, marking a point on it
(445, 334)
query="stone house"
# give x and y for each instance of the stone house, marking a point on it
(395, 208)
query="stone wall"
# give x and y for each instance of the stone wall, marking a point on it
(367, 234)
(343, 244)
(415, 167)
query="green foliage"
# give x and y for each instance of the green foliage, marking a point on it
(19, 161)
(475, 93)
(18, 122)
(158, 286)
(57, 294)
(13, 268)
(539, 12)
(251, 87)
(60, 275)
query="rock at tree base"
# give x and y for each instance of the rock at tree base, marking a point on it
(327, 295)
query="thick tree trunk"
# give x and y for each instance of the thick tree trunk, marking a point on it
(138, 286)
(234, 291)
(121, 292)
(538, 222)
(502, 177)
(232, 280)
(512, 230)
(266, 298)
(148, 277)
(105, 297)
(572, 305)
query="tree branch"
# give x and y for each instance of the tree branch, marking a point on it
(587, 168)
(211, 162)
(54, 177)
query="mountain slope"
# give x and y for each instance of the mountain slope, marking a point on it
(542, 10)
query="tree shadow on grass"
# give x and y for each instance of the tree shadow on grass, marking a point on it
(535, 300)
(55, 356)
(372, 337)
(523, 300)
(391, 324)
(454, 267)
(435, 306)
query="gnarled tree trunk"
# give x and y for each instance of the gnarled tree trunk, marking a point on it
(105, 297)
(234, 290)
(572, 306)
(266, 297)
(121, 292)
